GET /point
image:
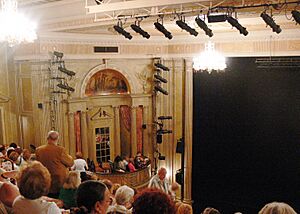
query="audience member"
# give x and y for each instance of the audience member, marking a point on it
(118, 164)
(14, 157)
(210, 210)
(140, 161)
(114, 188)
(26, 156)
(56, 160)
(79, 163)
(152, 201)
(124, 197)
(2, 151)
(108, 184)
(92, 197)
(277, 208)
(184, 209)
(68, 191)
(8, 193)
(174, 187)
(34, 182)
(159, 181)
(130, 165)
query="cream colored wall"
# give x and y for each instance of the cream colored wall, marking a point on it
(8, 99)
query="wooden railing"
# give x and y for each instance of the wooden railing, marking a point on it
(138, 179)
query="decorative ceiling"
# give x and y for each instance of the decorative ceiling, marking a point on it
(86, 17)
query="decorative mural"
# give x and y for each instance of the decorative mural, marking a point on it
(107, 81)
(139, 129)
(77, 126)
(125, 129)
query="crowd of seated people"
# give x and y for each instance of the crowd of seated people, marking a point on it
(25, 190)
(130, 164)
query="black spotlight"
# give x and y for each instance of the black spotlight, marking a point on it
(160, 89)
(163, 30)
(184, 26)
(237, 25)
(160, 78)
(161, 66)
(66, 71)
(204, 27)
(98, 2)
(165, 118)
(159, 138)
(161, 157)
(58, 54)
(120, 30)
(163, 131)
(139, 30)
(296, 16)
(270, 21)
(65, 86)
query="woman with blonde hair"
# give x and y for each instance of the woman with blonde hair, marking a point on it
(68, 191)
(34, 181)
(277, 208)
(184, 209)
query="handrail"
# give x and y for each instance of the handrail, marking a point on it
(137, 179)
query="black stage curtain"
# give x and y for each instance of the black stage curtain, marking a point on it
(246, 137)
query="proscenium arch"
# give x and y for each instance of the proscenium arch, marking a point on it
(98, 68)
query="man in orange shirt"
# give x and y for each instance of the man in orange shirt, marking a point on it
(56, 160)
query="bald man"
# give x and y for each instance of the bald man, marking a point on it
(159, 181)
(56, 160)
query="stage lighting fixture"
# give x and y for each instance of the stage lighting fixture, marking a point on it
(161, 157)
(98, 2)
(160, 78)
(184, 26)
(159, 138)
(237, 25)
(163, 30)
(160, 89)
(163, 131)
(296, 16)
(58, 54)
(58, 92)
(204, 27)
(165, 118)
(161, 66)
(120, 30)
(270, 21)
(139, 30)
(66, 71)
(65, 86)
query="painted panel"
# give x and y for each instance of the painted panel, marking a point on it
(107, 81)
(27, 131)
(26, 94)
(125, 127)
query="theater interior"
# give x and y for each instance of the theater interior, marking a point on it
(109, 90)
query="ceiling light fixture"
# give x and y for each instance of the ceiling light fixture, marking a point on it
(270, 21)
(136, 27)
(237, 25)
(203, 26)
(184, 26)
(209, 60)
(163, 30)
(15, 28)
